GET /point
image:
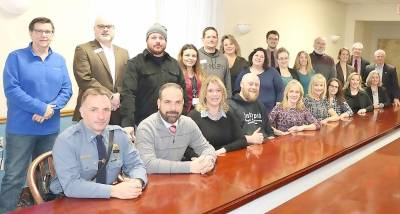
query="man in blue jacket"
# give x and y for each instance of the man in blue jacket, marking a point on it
(37, 86)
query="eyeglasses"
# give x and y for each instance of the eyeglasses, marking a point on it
(46, 32)
(102, 27)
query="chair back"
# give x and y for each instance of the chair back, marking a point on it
(40, 173)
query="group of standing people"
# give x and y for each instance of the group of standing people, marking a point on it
(229, 102)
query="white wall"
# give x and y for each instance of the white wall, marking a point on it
(370, 33)
(298, 23)
(74, 20)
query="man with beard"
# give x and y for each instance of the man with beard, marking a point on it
(321, 62)
(163, 137)
(144, 75)
(250, 113)
(99, 63)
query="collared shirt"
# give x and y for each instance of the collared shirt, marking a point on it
(379, 68)
(76, 161)
(30, 84)
(220, 114)
(166, 124)
(109, 53)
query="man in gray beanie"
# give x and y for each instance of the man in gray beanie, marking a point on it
(144, 76)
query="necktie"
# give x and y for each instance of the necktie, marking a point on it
(272, 59)
(172, 129)
(356, 65)
(101, 150)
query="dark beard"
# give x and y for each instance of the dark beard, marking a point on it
(170, 118)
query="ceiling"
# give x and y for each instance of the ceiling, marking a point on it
(369, 1)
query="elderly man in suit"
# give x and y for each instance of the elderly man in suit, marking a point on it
(99, 63)
(387, 74)
(357, 61)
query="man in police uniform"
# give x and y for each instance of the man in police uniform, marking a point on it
(84, 166)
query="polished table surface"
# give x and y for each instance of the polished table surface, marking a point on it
(372, 185)
(243, 175)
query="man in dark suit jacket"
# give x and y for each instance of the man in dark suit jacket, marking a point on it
(388, 76)
(357, 61)
(99, 63)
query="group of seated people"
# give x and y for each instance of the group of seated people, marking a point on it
(169, 142)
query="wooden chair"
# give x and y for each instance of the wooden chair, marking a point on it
(39, 175)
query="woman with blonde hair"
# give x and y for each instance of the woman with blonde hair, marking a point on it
(375, 91)
(231, 49)
(304, 69)
(188, 59)
(218, 125)
(355, 96)
(316, 101)
(291, 115)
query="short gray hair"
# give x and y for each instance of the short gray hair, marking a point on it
(358, 45)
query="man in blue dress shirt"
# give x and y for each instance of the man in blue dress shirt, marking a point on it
(77, 155)
(37, 86)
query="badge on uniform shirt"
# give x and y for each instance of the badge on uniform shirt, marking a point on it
(98, 50)
(115, 148)
(85, 157)
(203, 61)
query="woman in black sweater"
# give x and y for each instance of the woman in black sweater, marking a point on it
(218, 125)
(355, 96)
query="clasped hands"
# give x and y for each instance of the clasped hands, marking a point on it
(202, 164)
(127, 189)
(47, 115)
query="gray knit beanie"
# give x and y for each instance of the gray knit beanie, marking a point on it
(157, 28)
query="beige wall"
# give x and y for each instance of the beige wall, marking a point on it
(358, 25)
(72, 17)
(298, 23)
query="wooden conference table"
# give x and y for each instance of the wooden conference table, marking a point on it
(243, 175)
(372, 185)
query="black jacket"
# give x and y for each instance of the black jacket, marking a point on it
(382, 94)
(389, 80)
(144, 76)
(250, 115)
(364, 64)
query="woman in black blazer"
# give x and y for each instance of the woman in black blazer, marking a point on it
(376, 93)
(342, 68)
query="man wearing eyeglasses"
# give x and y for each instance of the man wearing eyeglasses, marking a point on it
(36, 85)
(100, 63)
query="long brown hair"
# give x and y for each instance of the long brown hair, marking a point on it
(339, 95)
(197, 68)
(296, 66)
